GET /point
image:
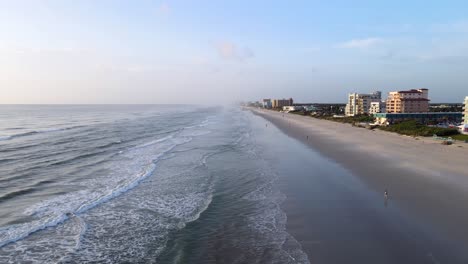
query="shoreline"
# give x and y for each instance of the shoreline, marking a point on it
(374, 143)
(425, 179)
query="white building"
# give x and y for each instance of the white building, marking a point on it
(359, 104)
(377, 107)
(267, 103)
(291, 108)
(465, 110)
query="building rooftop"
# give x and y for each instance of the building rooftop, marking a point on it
(420, 113)
(414, 99)
(413, 91)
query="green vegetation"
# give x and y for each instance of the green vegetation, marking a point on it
(299, 113)
(410, 127)
(460, 137)
(413, 128)
(349, 119)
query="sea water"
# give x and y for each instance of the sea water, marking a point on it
(140, 184)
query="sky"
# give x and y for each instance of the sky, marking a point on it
(205, 52)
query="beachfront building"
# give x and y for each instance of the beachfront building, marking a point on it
(292, 108)
(377, 107)
(359, 104)
(424, 118)
(267, 103)
(279, 103)
(309, 108)
(411, 101)
(464, 126)
(465, 111)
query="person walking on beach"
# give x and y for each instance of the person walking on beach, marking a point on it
(386, 194)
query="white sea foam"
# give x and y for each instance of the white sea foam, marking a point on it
(37, 131)
(269, 221)
(2, 138)
(135, 165)
(170, 200)
(51, 249)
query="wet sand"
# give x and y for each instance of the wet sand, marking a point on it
(424, 220)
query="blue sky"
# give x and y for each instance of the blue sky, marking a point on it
(220, 51)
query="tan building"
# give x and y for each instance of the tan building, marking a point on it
(359, 104)
(277, 103)
(411, 101)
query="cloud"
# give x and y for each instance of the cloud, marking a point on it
(360, 43)
(454, 27)
(390, 54)
(230, 51)
(311, 49)
(198, 60)
(33, 50)
(445, 59)
(164, 9)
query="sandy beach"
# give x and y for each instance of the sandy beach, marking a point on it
(423, 154)
(426, 180)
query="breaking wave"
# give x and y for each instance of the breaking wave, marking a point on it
(133, 166)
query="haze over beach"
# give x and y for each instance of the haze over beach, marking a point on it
(233, 132)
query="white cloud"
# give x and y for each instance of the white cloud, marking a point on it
(311, 49)
(198, 60)
(230, 51)
(164, 9)
(454, 27)
(360, 43)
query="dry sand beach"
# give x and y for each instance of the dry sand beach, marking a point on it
(426, 180)
(421, 154)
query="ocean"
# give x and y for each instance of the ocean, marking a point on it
(138, 184)
(194, 184)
